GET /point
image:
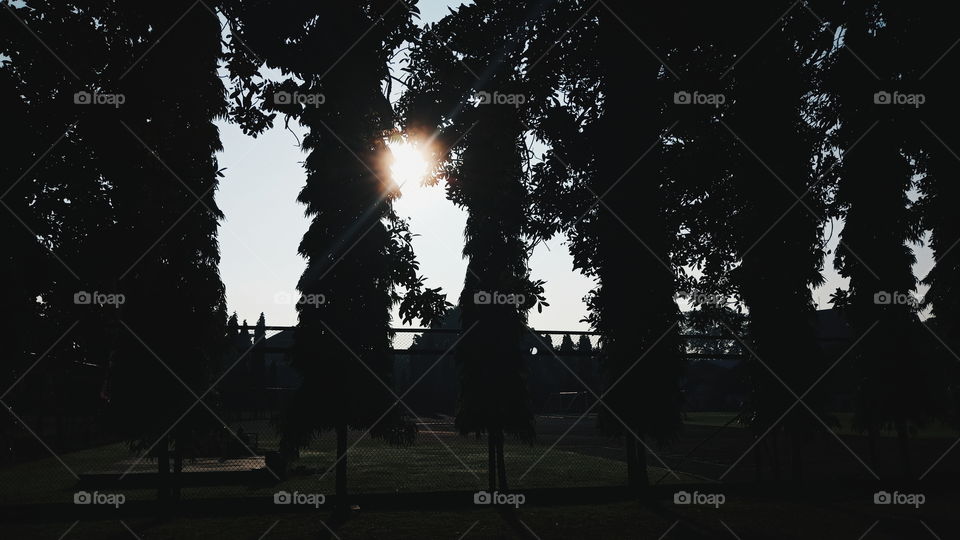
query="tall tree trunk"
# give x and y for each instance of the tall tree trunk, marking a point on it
(163, 470)
(903, 440)
(775, 455)
(632, 465)
(873, 437)
(341, 481)
(758, 460)
(796, 456)
(491, 461)
(640, 455)
(177, 472)
(501, 462)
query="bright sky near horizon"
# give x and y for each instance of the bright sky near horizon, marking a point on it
(264, 224)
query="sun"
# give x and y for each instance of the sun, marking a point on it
(409, 165)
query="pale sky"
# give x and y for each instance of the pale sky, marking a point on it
(264, 224)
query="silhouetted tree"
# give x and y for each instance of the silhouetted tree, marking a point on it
(358, 251)
(157, 151)
(778, 217)
(939, 187)
(466, 100)
(874, 254)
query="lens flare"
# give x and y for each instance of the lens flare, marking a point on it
(409, 165)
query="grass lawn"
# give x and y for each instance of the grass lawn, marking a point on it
(373, 467)
(738, 518)
(718, 419)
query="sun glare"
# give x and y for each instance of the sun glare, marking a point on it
(409, 165)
